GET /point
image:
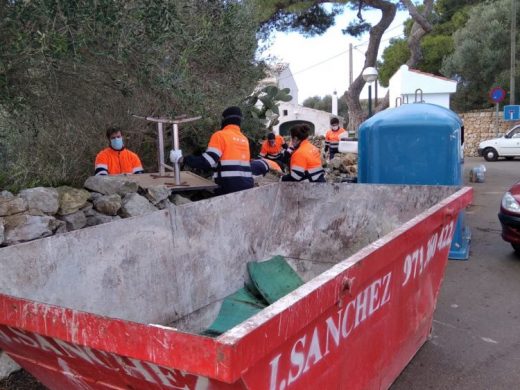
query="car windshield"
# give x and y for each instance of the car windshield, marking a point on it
(514, 132)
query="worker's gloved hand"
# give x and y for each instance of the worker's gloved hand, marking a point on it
(176, 156)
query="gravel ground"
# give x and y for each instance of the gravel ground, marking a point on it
(20, 380)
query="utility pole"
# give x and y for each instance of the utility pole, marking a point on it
(513, 53)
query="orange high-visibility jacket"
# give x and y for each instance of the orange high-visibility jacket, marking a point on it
(272, 152)
(116, 162)
(273, 165)
(228, 154)
(262, 165)
(306, 163)
(332, 139)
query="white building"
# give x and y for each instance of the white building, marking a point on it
(292, 113)
(406, 82)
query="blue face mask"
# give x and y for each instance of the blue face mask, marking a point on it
(116, 143)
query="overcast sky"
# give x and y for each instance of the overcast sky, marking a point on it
(320, 64)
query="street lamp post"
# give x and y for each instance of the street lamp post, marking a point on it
(370, 75)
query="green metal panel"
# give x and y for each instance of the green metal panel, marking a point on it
(235, 309)
(270, 280)
(273, 278)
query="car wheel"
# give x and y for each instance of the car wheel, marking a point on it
(516, 247)
(510, 157)
(490, 154)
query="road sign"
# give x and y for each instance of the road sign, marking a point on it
(512, 113)
(497, 94)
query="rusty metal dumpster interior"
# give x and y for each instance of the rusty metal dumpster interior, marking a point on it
(174, 267)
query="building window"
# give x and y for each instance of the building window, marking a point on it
(285, 113)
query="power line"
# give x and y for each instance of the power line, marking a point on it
(387, 31)
(383, 40)
(316, 64)
(337, 55)
(355, 47)
(333, 57)
(345, 51)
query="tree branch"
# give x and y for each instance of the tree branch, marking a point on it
(284, 4)
(419, 18)
(388, 11)
(420, 28)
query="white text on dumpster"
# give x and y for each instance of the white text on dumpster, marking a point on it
(314, 346)
(416, 262)
(147, 371)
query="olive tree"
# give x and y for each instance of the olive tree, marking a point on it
(312, 17)
(481, 58)
(69, 69)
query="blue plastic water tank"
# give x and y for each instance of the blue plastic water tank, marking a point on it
(411, 144)
(416, 143)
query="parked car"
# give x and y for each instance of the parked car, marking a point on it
(509, 216)
(507, 146)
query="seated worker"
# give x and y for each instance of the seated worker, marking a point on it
(332, 137)
(116, 159)
(273, 147)
(227, 155)
(305, 158)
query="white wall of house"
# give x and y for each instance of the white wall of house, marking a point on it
(293, 112)
(282, 76)
(435, 89)
(286, 80)
(441, 99)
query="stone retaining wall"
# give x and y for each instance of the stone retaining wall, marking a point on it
(480, 126)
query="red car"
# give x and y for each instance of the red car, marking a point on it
(509, 216)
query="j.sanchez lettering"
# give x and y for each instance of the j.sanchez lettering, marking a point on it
(315, 345)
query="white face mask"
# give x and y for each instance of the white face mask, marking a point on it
(116, 143)
(335, 127)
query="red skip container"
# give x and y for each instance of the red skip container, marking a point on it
(121, 305)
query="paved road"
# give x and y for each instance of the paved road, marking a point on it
(476, 331)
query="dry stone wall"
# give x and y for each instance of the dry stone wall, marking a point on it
(480, 126)
(41, 212)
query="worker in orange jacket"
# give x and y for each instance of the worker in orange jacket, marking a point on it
(228, 155)
(305, 158)
(116, 159)
(273, 147)
(332, 137)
